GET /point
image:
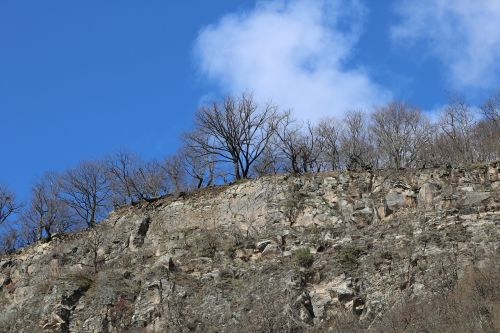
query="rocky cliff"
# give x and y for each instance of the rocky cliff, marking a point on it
(279, 253)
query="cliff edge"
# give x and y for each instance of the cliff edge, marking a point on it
(279, 253)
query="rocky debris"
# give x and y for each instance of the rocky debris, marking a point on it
(331, 295)
(146, 307)
(226, 257)
(356, 305)
(60, 318)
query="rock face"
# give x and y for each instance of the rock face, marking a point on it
(224, 259)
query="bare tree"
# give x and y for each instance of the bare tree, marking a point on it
(199, 166)
(268, 163)
(491, 109)
(457, 124)
(306, 148)
(119, 171)
(487, 130)
(9, 234)
(235, 131)
(328, 136)
(298, 145)
(357, 152)
(86, 190)
(149, 181)
(9, 240)
(486, 140)
(94, 242)
(288, 138)
(310, 150)
(401, 133)
(131, 179)
(46, 213)
(176, 172)
(8, 204)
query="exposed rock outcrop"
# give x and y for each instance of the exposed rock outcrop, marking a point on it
(224, 258)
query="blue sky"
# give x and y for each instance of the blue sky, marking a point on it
(81, 79)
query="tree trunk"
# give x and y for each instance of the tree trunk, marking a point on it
(49, 234)
(92, 218)
(236, 166)
(200, 182)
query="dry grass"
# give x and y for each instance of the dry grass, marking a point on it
(472, 305)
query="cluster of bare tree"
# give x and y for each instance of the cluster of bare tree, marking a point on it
(396, 135)
(237, 138)
(8, 204)
(256, 141)
(82, 196)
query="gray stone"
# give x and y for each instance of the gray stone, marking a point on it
(3, 279)
(260, 246)
(166, 262)
(426, 194)
(271, 249)
(475, 198)
(394, 200)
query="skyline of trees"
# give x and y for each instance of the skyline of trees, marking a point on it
(237, 138)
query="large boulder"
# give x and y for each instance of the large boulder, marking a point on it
(475, 198)
(331, 293)
(426, 194)
(394, 200)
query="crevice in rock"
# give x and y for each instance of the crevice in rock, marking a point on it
(141, 232)
(68, 305)
(308, 305)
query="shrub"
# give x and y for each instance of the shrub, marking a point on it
(78, 278)
(472, 305)
(349, 257)
(304, 258)
(121, 314)
(207, 243)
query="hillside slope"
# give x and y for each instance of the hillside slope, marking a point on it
(279, 253)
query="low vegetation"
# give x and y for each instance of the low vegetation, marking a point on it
(304, 257)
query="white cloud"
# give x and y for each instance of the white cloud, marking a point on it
(463, 34)
(293, 53)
